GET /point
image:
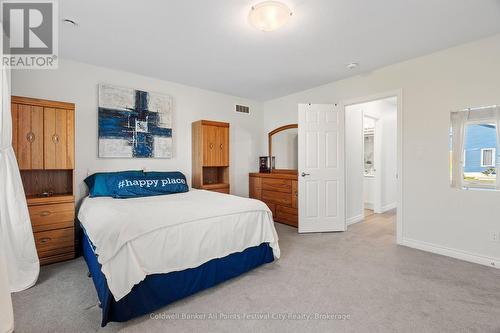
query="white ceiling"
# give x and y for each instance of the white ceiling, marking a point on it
(209, 44)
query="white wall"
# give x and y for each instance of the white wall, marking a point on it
(354, 164)
(388, 164)
(436, 217)
(77, 83)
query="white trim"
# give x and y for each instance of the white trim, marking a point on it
(355, 219)
(450, 252)
(369, 205)
(493, 158)
(398, 93)
(388, 207)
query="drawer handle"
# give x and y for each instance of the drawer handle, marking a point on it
(45, 240)
(55, 138)
(30, 137)
(211, 146)
(45, 213)
(221, 146)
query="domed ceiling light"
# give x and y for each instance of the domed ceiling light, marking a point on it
(269, 15)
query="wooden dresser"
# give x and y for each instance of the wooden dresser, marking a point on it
(43, 141)
(280, 192)
(210, 169)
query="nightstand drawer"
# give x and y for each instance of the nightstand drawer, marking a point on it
(221, 190)
(54, 242)
(50, 217)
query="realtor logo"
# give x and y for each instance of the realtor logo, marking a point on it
(31, 36)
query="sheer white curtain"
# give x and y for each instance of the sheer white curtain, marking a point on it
(458, 120)
(6, 314)
(497, 113)
(16, 238)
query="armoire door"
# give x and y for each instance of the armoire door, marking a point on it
(27, 132)
(223, 146)
(209, 145)
(58, 139)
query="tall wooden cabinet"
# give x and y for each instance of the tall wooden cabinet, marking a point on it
(210, 161)
(43, 141)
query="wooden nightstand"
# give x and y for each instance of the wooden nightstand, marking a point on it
(53, 220)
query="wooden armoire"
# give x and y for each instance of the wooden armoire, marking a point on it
(210, 161)
(43, 141)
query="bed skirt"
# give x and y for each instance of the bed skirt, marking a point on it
(158, 290)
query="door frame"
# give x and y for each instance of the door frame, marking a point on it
(398, 93)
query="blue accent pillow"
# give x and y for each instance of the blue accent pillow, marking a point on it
(98, 182)
(148, 184)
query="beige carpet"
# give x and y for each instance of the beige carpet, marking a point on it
(361, 274)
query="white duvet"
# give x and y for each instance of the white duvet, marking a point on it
(141, 236)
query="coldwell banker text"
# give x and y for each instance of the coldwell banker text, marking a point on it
(150, 182)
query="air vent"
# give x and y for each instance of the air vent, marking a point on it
(242, 109)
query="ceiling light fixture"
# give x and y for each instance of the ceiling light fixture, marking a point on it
(269, 15)
(352, 65)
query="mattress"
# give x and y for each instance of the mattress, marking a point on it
(134, 238)
(158, 290)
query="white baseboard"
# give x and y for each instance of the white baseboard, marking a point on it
(388, 207)
(355, 219)
(453, 253)
(369, 205)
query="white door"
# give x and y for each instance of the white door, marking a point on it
(321, 168)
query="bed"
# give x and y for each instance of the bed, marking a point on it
(144, 253)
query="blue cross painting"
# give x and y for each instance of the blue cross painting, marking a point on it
(134, 123)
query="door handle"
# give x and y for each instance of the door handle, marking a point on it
(305, 174)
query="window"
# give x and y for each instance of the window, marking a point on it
(488, 157)
(479, 162)
(474, 144)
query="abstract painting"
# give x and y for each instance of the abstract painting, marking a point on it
(134, 123)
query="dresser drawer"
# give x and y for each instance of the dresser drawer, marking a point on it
(54, 216)
(295, 193)
(287, 215)
(271, 206)
(54, 242)
(255, 188)
(277, 197)
(277, 184)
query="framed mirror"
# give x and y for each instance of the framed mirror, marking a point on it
(283, 149)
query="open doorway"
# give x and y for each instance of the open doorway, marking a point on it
(371, 158)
